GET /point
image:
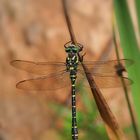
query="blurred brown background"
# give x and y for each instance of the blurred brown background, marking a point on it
(36, 30)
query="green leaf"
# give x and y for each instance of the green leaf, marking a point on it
(130, 48)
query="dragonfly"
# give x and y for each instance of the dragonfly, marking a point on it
(58, 75)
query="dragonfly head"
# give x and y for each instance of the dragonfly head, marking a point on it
(73, 49)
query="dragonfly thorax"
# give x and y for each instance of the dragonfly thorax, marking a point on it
(72, 62)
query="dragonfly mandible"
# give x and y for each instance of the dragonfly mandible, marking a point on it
(56, 75)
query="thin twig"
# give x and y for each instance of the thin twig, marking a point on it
(71, 32)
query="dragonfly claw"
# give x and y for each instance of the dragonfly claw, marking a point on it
(82, 56)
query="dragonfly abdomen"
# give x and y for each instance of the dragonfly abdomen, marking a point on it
(74, 121)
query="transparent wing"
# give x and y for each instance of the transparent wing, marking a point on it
(105, 68)
(50, 82)
(105, 81)
(111, 82)
(40, 68)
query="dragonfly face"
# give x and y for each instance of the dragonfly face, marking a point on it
(72, 50)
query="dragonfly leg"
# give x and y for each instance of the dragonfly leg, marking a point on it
(82, 56)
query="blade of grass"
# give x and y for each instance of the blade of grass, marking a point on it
(130, 48)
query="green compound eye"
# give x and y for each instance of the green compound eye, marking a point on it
(72, 48)
(75, 50)
(67, 49)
